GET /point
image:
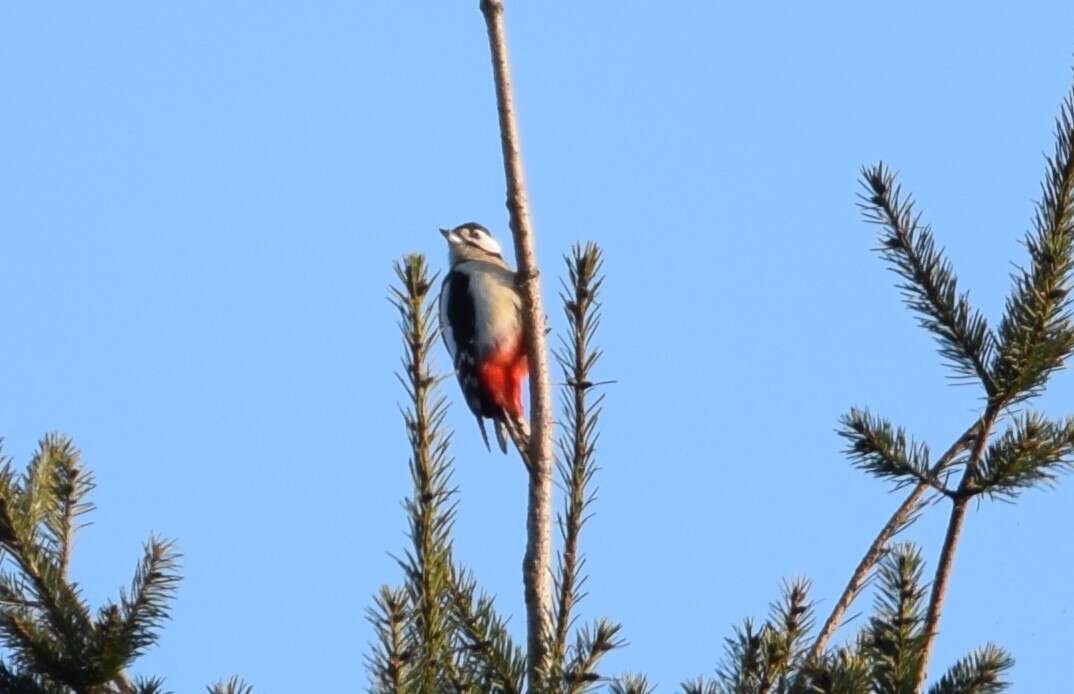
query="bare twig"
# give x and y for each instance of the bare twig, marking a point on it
(536, 566)
(878, 547)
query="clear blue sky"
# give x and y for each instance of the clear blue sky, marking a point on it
(200, 203)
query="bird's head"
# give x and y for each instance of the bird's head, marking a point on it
(471, 241)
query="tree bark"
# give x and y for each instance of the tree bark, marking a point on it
(939, 586)
(536, 566)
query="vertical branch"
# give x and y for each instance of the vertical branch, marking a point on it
(388, 662)
(576, 466)
(939, 586)
(536, 566)
(876, 550)
(428, 563)
(950, 545)
(1036, 337)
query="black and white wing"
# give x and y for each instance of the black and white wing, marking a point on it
(458, 327)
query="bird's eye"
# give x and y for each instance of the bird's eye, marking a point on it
(474, 233)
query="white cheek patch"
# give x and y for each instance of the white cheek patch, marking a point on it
(490, 244)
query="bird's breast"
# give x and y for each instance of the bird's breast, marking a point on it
(496, 310)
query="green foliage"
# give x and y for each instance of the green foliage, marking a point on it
(153, 685)
(489, 656)
(427, 563)
(765, 659)
(845, 670)
(389, 660)
(232, 685)
(53, 643)
(700, 686)
(882, 450)
(1032, 452)
(1036, 334)
(981, 672)
(928, 284)
(1035, 337)
(437, 632)
(895, 635)
(591, 644)
(881, 659)
(631, 683)
(577, 467)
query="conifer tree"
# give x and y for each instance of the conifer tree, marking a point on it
(53, 643)
(1002, 452)
(438, 633)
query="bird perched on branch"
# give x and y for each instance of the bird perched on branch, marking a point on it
(481, 323)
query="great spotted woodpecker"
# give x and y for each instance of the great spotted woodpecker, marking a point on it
(482, 328)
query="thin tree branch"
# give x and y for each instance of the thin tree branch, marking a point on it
(929, 285)
(950, 545)
(939, 585)
(536, 566)
(878, 547)
(430, 510)
(577, 465)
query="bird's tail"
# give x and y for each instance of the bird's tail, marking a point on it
(519, 433)
(484, 434)
(501, 433)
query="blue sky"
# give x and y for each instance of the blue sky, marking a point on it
(200, 203)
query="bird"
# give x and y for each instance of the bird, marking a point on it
(481, 325)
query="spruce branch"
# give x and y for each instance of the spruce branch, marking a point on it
(981, 672)
(576, 464)
(59, 486)
(743, 665)
(43, 620)
(700, 686)
(537, 562)
(959, 506)
(898, 521)
(929, 286)
(43, 593)
(389, 661)
(484, 643)
(591, 645)
(1035, 337)
(887, 452)
(894, 634)
(1032, 452)
(35, 649)
(846, 671)
(1036, 334)
(17, 681)
(758, 661)
(148, 685)
(783, 639)
(631, 683)
(123, 632)
(232, 685)
(430, 510)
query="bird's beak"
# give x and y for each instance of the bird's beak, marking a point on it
(447, 235)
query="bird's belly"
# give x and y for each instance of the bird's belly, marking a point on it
(498, 325)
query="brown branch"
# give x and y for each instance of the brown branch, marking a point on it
(950, 545)
(879, 546)
(536, 566)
